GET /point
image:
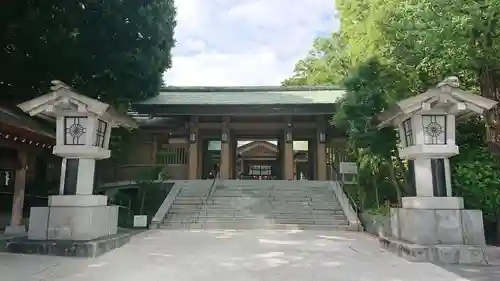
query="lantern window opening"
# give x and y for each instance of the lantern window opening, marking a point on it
(434, 129)
(408, 131)
(75, 130)
(101, 133)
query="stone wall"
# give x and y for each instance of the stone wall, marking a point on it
(379, 225)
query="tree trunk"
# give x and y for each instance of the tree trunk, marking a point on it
(395, 182)
(375, 186)
(489, 82)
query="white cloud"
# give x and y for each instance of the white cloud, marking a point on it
(225, 69)
(245, 42)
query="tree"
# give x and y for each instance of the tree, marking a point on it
(326, 64)
(412, 45)
(475, 170)
(149, 181)
(371, 88)
(113, 50)
(442, 38)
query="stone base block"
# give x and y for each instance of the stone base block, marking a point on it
(436, 203)
(444, 254)
(72, 223)
(15, 230)
(434, 226)
(92, 248)
(79, 200)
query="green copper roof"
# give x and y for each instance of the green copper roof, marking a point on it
(247, 95)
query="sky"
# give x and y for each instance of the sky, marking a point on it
(245, 42)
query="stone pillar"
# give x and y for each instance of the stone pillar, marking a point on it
(321, 161)
(288, 156)
(16, 226)
(85, 176)
(423, 172)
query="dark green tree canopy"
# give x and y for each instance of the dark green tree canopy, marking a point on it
(112, 49)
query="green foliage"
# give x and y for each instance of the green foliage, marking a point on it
(146, 199)
(368, 93)
(326, 64)
(149, 180)
(475, 170)
(114, 50)
(415, 45)
(384, 209)
(370, 89)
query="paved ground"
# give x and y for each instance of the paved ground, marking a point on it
(231, 255)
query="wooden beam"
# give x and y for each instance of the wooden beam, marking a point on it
(258, 125)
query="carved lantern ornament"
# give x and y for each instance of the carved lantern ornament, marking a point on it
(83, 124)
(426, 122)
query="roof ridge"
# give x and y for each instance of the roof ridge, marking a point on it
(250, 88)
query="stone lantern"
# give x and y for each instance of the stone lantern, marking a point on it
(426, 124)
(83, 130)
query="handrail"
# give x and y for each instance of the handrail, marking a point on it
(212, 187)
(342, 185)
(210, 191)
(351, 200)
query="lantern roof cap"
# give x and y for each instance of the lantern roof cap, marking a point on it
(65, 97)
(445, 93)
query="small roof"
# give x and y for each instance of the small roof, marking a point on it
(254, 144)
(62, 94)
(447, 91)
(259, 95)
(18, 119)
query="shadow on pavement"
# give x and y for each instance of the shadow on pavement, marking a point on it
(475, 273)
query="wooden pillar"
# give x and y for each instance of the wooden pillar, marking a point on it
(288, 155)
(320, 144)
(202, 147)
(242, 165)
(15, 226)
(225, 152)
(321, 159)
(194, 140)
(234, 148)
(154, 150)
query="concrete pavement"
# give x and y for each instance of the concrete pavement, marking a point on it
(247, 255)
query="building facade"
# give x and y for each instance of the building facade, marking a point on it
(28, 170)
(190, 130)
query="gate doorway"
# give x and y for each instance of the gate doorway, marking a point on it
(258, 160)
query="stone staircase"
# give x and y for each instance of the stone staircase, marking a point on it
(247, 204)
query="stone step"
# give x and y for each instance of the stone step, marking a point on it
(183, 211)
(238, 215)
(259, 205)
(261, 220)
(237, 225)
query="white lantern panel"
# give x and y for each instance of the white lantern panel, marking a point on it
(101, 129)
(434, 128)
(407, 136)
(75, 130)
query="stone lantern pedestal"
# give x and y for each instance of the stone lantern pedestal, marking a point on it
(432, 225)
(83, 133)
